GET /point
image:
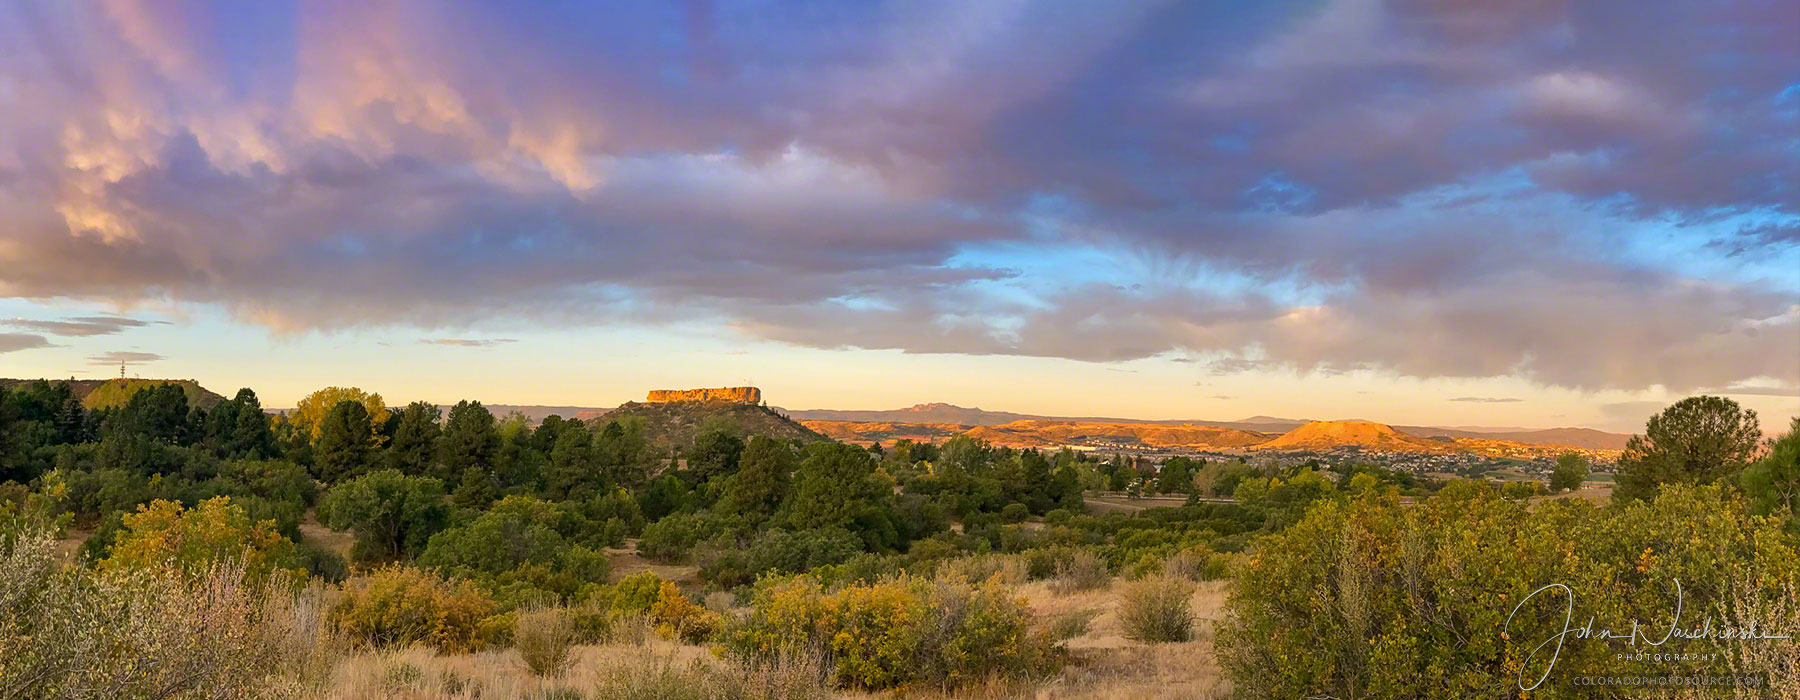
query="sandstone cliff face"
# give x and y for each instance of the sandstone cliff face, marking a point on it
(735, 394)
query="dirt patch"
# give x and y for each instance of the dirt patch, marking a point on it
(69, 546)
(626, 561)
(314, 532)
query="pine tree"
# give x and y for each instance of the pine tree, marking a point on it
(415, 443)
(761, 482)
(345, 442)
(469, 439)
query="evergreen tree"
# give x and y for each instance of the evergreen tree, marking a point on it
(1773, 482)
(1034, 473)
(1699, 440)
(623, 451)
(571, 472)
(158, 412)
(71, 417)
(757, 488)
(837, 486)
(346, 437)
(416, 434)
(469, 439)
(715, 453)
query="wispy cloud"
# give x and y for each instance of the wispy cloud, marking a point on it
(125, 356)
(12, 342)
(469, 342)
(79, 325)
(1485, 399)
(1754, 391)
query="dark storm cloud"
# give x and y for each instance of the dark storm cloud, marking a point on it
(1428, 187)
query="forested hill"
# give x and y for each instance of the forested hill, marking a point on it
(676, 423)
(113, 393)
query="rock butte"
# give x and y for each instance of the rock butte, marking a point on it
(733, 394)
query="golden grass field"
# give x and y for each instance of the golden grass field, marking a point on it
(1102, 663)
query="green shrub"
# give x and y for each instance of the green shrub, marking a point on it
(399, 605)
(1015, 513)
(729, 565)
(671, 538)
(1157, 610)
(1373, 598)
(1071, 624)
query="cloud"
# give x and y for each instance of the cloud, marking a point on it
(121, 356)
(1486, 399)
(1755, 391)
(1628, 416)
(11, 342)
(1563, 192)
(469, 342)
(79, 325)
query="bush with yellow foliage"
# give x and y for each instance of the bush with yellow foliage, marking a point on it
(903, 632)
(163, 533)
(401, 604)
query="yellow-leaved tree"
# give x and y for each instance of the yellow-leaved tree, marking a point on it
(165, 534)
(310, 413)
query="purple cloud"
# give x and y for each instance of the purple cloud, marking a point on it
(1430, 188)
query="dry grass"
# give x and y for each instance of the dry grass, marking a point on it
(417, 673)
(1105, 664)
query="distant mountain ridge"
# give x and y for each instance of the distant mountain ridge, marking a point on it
(942, 414)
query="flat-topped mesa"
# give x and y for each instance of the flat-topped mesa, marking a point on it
(731, 394)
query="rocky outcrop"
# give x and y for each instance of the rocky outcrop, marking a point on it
(734, 394)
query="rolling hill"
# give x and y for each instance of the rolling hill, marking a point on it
(112, 393)
(1326, 435)
(1051, 432)
(675, 424)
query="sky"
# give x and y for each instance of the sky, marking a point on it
(1445, 212)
